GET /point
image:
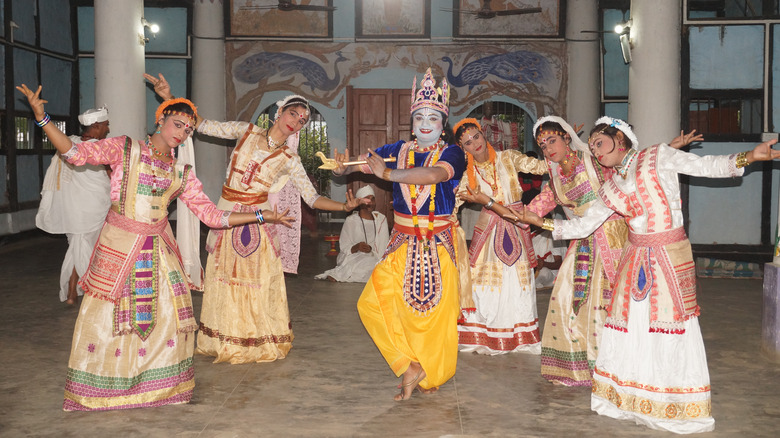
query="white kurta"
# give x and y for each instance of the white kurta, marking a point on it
(657, 379)
(74, 202)
(357, 267)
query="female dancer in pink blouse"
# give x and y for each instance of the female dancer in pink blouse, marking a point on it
(576, 313)
(134, 336)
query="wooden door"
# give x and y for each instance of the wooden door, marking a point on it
(376, 117)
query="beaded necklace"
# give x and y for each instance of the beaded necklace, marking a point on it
(413, 189)
(471, 170)
(493, 185)
(156, 152)
(570, 156)
(622, 170)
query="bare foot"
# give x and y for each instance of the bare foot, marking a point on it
(331, 279)
(73, 296)
(427, 391)
(412, 376)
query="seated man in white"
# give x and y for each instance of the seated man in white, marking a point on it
(549, 257)
(362, 243)
(74, 202)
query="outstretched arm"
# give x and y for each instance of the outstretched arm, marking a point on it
(476, 196)
(60, 141)
(323, 203)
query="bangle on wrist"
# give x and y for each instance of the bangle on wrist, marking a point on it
(259, 216)
(386, 174)
(490, 203)
(44, 121)
(742, 160)
(344, 206)
(548, 224)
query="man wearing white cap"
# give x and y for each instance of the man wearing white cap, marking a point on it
(74, 202)
(363, 240)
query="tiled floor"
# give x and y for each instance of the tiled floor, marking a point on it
(335, 383)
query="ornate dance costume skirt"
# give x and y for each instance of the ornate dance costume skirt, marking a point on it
(656, 379)
(245, 317)
(505, 319)
(136, 352)
(570, 339)
(404, 335)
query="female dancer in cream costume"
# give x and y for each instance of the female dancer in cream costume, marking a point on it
(582, 289)
(245, 317)
(501, 253)
(652, 367)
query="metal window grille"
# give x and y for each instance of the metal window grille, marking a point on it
(506, 112)
(725, 115)
(23, 129)
(47, 145)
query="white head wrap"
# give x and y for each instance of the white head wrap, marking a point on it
(280, 104)
(92, 116)
(576, 141)
(365, 191)
(622, 126)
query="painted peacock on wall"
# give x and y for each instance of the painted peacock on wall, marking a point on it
(264, 65)
(519, 67)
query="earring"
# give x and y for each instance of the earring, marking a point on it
(158, 129)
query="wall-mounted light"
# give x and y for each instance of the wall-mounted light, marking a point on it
(624, 33)
(153, 28)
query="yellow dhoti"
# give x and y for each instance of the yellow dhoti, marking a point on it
(404, 334)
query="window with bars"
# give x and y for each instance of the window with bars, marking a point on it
(47, 145)
(503, 123)
(725, 117)
(23, 129)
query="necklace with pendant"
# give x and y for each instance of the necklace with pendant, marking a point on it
(272, 144)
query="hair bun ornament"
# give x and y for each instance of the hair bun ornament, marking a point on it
(161, 109)
(429, 95)
(621, 126)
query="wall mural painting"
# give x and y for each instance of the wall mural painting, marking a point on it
(265, 19)
(378, 19)
(532, 73)
(545, 23)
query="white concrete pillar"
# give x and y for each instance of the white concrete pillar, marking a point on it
(119, 65)
(654, 73)
(208, 91)
(583, 91)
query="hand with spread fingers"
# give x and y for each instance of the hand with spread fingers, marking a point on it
(160, 85)
(685, 139)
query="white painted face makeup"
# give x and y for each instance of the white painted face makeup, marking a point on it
(427, 125)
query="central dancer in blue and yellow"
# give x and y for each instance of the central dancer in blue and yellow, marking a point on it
(410, 305)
